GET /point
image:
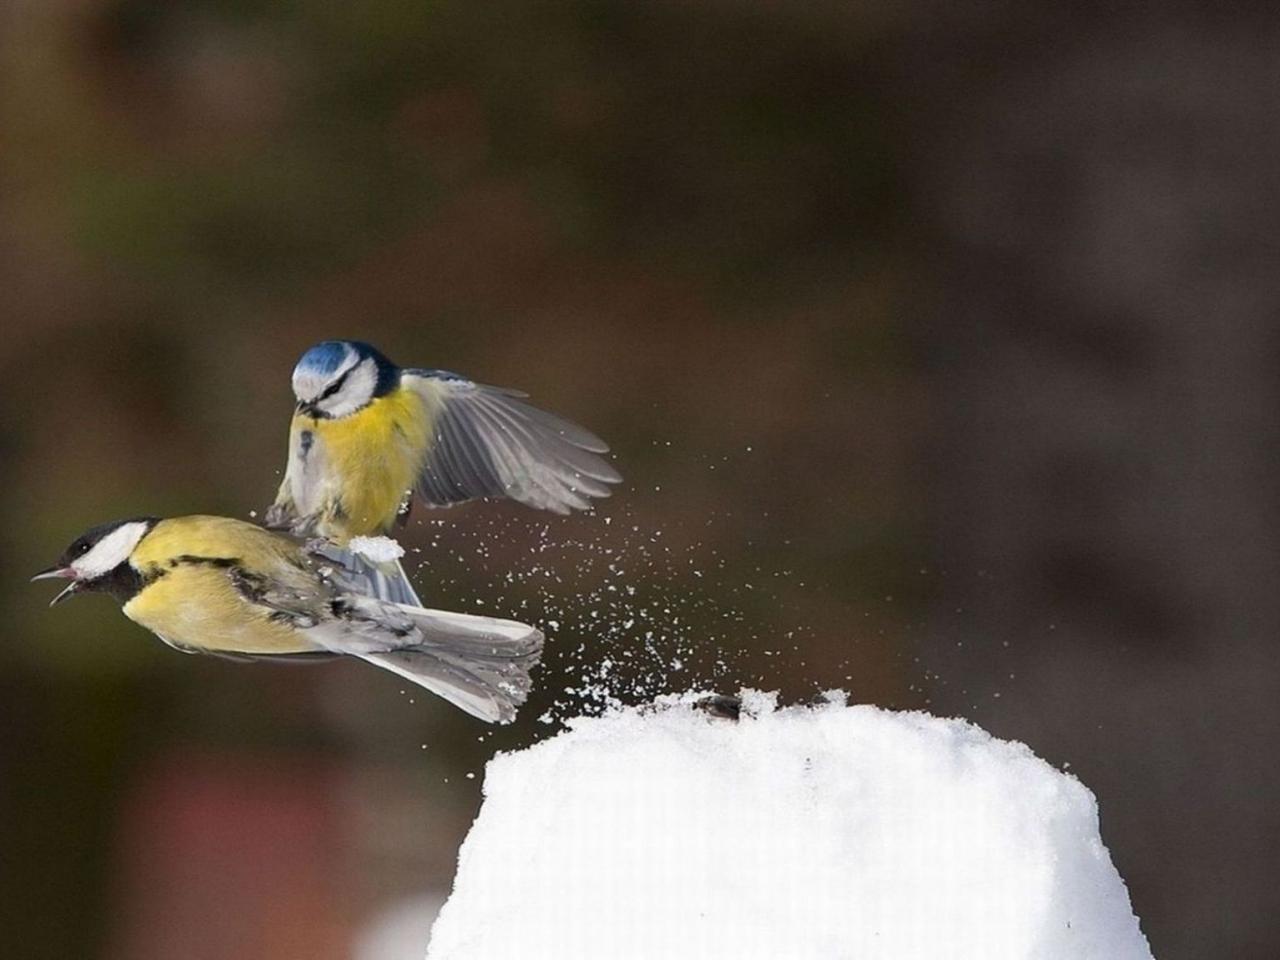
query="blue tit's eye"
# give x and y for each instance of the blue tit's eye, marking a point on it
(333, 388)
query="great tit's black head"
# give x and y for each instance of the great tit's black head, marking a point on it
(338, 377)
(98, 559)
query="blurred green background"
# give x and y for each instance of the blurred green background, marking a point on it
(937, 348)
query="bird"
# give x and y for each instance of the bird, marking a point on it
(367, 435)
(218, 585)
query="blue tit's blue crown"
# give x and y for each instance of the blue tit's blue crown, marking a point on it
(324, 358)
(328, 356)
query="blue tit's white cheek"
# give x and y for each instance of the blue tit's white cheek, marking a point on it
(307, 384)
(356, 391)
(109, 552)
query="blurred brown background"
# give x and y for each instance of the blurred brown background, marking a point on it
(938, 347)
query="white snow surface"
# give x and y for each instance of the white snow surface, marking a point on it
(810, 832)
(376, 549)
(399, 930)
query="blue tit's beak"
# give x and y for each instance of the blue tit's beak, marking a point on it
(59, 573)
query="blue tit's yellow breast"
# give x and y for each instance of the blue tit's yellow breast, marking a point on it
(370, 461)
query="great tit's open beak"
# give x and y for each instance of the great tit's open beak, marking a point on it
(59, 573)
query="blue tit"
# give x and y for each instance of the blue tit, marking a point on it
(367, 435)
(222, 586)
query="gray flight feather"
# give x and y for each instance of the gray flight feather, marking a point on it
(490, 443)
(480, 664)
(356, 573)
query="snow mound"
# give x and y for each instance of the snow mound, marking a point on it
(823, 832)
(376, 549)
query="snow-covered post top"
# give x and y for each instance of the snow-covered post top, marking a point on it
(824, 832)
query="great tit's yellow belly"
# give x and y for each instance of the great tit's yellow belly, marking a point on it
(349, 477)
(190, 599)
(195, 605)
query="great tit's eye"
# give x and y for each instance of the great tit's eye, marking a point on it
(80, 547)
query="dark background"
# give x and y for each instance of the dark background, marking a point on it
(937, 343)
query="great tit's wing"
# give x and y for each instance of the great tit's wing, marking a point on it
(354, 573)
(309, 656)
(480, 664)
(285, 594)
(488, 442)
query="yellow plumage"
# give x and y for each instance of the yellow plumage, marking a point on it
(191, 601)
(352, 474)
(212, 537)
(218, 585)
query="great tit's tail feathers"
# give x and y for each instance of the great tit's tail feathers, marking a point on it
(480, 664)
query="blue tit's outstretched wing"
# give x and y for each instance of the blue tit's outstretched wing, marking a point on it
(488, 442)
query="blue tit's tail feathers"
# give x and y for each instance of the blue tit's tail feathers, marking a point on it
(480, 664)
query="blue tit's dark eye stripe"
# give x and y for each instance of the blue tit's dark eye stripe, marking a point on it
(334, 387)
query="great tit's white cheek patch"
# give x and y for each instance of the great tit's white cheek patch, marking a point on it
(357, 391)
(109, 552)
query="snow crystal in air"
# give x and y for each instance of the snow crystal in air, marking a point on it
(632, 609)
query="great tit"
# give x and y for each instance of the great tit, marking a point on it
(216, 585)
